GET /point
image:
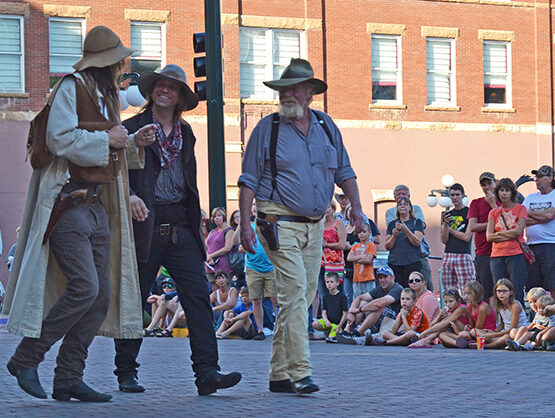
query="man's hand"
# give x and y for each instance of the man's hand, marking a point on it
(117, 137)
(146, 135)
(248, 238)
(357, 219)
(139, 211)
(491, 199)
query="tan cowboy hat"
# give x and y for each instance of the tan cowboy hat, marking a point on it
(102, 48)
(296, 72)
(170, 72)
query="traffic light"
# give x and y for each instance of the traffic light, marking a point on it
(199, 64)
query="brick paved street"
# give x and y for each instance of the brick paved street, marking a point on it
(364, 381)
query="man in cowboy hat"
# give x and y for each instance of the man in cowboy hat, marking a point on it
(66, 279)
(167, 223)
(292, 162)
(540, 229)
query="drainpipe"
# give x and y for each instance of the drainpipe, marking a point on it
(552, 111)
(325, 53)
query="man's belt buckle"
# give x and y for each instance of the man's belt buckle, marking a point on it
(165, 229)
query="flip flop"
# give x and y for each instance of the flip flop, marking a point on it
(419, 344)
(461, 342)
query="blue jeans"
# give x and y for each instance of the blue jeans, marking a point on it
(348, 289)
(512, 267)
(360, 288)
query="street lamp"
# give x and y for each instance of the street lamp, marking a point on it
(132, 96)
(444, 201)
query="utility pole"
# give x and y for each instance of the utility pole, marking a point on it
(215, 104)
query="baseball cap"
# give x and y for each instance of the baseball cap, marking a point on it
(486, 175)
(384, 271)
(544, 170)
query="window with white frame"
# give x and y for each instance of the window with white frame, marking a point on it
(440, 71)
(12, 70)
(386, 69)
(65, 40)
(148, 38)
(497, 75)
(264, 54)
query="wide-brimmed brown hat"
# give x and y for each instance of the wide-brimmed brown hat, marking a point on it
(298, 71)
(102, 48)
(170, 72)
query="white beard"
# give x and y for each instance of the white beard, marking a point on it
(290, 110)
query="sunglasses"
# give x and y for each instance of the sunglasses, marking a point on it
(502, 290)
(415, 280)
(167, 286)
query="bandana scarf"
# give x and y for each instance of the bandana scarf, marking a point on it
(169, 147)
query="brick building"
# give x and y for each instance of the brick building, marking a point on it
(419, 88)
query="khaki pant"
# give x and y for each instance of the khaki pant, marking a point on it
(297, 265)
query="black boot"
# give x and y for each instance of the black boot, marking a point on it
(82, 392)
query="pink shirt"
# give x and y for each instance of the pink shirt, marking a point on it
(429, 305)
(490, 322)
(214, 242)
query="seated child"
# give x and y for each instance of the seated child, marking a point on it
(481, 317)
(163, 305)
(525, 337)
(334, 309)
(510, 313)
(450, 321)
(239, 321)
(362, 254)
(546, 307)
(408, 325)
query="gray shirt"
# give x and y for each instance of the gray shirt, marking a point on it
(308, 167)
(170, 184)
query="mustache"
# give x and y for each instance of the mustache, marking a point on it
(289, 100)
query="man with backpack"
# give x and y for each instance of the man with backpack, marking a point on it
(292, 163)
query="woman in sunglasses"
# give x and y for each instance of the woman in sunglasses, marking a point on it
(167, 303)
(425, 299)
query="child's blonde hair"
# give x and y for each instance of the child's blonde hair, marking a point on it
(476, 288)
(409, 291)
(509, 284)
(536, 293)
(544, 301)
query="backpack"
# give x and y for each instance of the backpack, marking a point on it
(37, 151)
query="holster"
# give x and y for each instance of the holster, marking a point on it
(64, 202)
(268, 229)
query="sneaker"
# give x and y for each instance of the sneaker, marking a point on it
(165, 333)
(513, 345)
(331, 340)
(345, 333)
(368, 339)
(149, 333)
(350, 340)
(550, 347)
(378, 341)
(259, 336)
(527, 346)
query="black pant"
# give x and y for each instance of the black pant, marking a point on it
(185, 265)
(402, 273)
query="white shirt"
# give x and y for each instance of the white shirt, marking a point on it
(540, 233)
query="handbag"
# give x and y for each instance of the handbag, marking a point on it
(528, 253)
(424, 248)
(236, 260)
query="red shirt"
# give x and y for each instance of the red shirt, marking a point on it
(479, 209)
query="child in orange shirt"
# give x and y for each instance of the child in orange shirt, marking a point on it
(362, 255)
(411, 318)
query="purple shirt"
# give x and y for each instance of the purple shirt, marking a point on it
(214, 242)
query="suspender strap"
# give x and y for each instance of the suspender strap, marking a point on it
(326, 129)
(273, 146)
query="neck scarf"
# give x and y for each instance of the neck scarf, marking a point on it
(169, 147)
